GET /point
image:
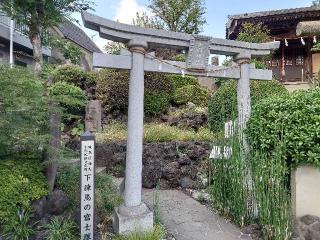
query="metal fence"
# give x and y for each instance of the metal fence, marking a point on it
(18, 27)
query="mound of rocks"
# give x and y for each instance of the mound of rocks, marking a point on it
(307, 228)
(172, 164)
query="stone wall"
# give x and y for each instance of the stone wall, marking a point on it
(172, 164)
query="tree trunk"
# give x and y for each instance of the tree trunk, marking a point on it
(54, 148)
(35, 39)
(53, 156)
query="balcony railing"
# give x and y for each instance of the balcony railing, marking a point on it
(5, 20)
(21, 28)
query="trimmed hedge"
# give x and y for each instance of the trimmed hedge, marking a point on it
(293, 119)
(191, 93)
(223, 104)
(21, 182)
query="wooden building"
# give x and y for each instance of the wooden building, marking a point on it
(294, 62)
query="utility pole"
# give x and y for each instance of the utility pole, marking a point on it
(11, 42)
(11, 37)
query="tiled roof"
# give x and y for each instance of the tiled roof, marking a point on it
(74, 33)
(271, 13)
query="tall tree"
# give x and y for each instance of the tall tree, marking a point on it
(143, 20)
(316, 3)
(38, 16)
(179, 15)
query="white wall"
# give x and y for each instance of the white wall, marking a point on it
(306, 191)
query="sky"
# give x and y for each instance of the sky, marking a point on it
(217, 12)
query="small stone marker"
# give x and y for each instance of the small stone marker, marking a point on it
(93, 116)
(217, 152)
(229, 129)
(87, 185)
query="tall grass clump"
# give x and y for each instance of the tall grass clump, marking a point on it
(271, 184)
(228, 190)
(158, 233)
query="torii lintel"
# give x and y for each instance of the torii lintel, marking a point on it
(197, 47)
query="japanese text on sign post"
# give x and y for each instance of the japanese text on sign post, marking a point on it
(87, 186)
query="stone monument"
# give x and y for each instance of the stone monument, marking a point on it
(93, 116)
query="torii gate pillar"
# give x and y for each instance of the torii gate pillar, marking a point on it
(134, 214)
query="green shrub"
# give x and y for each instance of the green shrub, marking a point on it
(70, 97)
(60, 228)
(157, 83)
(113, 88)
(191, 93)
(23, 112)
(21, 182)
(223, 103)
(156, 103)
(298, 115)
(106, 190)
(70, 74)
(179, 81)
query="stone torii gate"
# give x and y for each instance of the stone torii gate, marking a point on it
(134, 214)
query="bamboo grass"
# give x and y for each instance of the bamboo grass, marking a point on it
(268, 203)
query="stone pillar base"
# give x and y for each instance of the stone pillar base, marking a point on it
(127, 220)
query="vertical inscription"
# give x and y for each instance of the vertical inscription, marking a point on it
(87, 186)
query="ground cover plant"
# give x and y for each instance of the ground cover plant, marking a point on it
(60, 228)
(22, 181)
(155, 132)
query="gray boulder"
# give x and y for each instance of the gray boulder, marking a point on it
(57, 202)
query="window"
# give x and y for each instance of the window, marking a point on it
(274, 63)
(299, 60)
(288, 62)
(20, 63)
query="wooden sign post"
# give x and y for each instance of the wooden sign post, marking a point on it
(87, 186)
